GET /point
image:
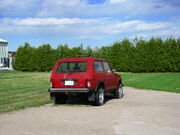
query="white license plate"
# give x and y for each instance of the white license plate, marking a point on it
(69, 83)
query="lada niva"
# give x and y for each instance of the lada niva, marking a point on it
(88, 75)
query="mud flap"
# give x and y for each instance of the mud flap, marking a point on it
(52, 96)
(91, 97)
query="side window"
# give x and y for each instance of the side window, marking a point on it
(98, 66)
(106, 67)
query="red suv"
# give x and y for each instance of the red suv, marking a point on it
(88, 75)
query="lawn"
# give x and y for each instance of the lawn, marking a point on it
(19, 90)
(169, 82)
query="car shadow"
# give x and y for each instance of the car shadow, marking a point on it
(108, 97)
(83, 100)
(78, 100)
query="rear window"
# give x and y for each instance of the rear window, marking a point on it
(72, 67)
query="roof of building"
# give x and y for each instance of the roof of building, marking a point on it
(4, 41)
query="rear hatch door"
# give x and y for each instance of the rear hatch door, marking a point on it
(71, 74)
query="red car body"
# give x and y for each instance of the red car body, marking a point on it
(82, 75)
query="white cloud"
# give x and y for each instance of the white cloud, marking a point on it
(116, 1)
(46, 21)
(97, 37)
(18, 7)
(87, 21)
(80, 8)
(152, 26)
(172, 31)
(136, 26)
(87, 28)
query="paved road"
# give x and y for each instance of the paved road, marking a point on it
(140, 112)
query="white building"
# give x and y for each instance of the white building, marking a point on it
(5, 60)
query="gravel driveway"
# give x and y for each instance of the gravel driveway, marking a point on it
(140, 112)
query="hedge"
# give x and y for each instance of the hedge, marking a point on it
(154, 55)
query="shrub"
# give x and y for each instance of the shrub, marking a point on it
(154, 55)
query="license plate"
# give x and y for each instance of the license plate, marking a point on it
(69, 83)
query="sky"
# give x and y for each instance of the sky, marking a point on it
(93, 23)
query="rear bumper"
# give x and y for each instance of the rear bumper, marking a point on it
(69, 90)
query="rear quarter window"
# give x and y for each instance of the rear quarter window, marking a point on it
(106, 67)
(98, 66)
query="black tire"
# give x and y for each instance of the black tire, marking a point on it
(60, 99)
(119, 91)
(99, 100)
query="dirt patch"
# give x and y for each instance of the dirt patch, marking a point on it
(140, 112)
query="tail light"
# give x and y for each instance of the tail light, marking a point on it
(88, 83)
(51, 81)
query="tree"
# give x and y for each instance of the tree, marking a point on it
(44, 60)
(23, 58)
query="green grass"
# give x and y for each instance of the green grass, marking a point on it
(19, 90)
(169, 82)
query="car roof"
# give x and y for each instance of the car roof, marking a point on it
(81, 59)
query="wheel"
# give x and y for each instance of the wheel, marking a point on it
(119, 91)
(60, 99)
(99, 97)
